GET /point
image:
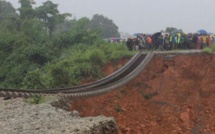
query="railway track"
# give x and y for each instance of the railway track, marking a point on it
(107, 84)
(135, 65)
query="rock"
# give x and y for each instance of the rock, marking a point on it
(185, 117)
(123, 109)
(127, 129)
(17, 117)
(75, 113)
(142, 126)
(153, 124)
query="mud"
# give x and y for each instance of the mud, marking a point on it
(172, 95)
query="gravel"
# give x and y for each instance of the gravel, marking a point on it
(18, 117)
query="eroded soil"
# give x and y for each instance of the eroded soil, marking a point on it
(172, 95)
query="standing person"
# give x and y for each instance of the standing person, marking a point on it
(179, 40)
(129, 44)
(136, 44)
(170, 41)
(166, 42)
(194, 41)
(204, 41)
(199, 42)
(186, 42)
(144, 41)
(155, 42)
(160, 40)
(208, 41)
(149, 42)
(176, 41)
(190, 38)
(141, 44)
(182, 44)
(133, 44)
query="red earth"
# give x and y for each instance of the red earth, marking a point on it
(170, 96)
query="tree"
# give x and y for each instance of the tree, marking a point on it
(26, 10)
(81, 32)
(8, 15)
(6, 10)
(49, 14)
(104, 26)
(172, 29)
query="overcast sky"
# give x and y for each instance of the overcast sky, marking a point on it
(145, 16)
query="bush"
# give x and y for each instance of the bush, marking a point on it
(118, 108)
(36, 99)
(38, 66)
(60, 77)
(33, 81)
(210, 49)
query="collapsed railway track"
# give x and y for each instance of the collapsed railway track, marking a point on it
(135, 65)
(128, 72)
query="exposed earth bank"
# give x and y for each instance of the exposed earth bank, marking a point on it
(172, 95)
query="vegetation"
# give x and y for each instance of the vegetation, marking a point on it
(172, 30)
(36, 99)
(149, 95)
(118, 108)
(42, 48)
(210, 49)
(118, 96)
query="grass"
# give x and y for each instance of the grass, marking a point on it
(118, 96)
(148, 96)
(111, 101)
(138, 84)
(36, 99)
(123, 91)
(118, 108)
(210, 49)
(39, 99)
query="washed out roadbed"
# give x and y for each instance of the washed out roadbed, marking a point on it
(172, 95)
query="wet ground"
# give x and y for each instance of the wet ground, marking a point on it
(171, 96)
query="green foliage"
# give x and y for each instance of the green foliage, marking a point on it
(116, 51)
(49, 14)
(111, 101)
(26, 9)
(60, 77)
(123, 91)
(210, 49)
(96, 57)
(33, 80)
(36, 99)
(118, 96)
(148, 96)
(118, 108)
(39, 48)
(7, 13)
(33, 29)
(172, 29)
(78, 63)
(104, 26)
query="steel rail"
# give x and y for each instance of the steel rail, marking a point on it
(111, 79)
(92, 84)
(114, 80)
(103, 88)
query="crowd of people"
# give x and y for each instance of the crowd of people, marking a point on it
(165, 41)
